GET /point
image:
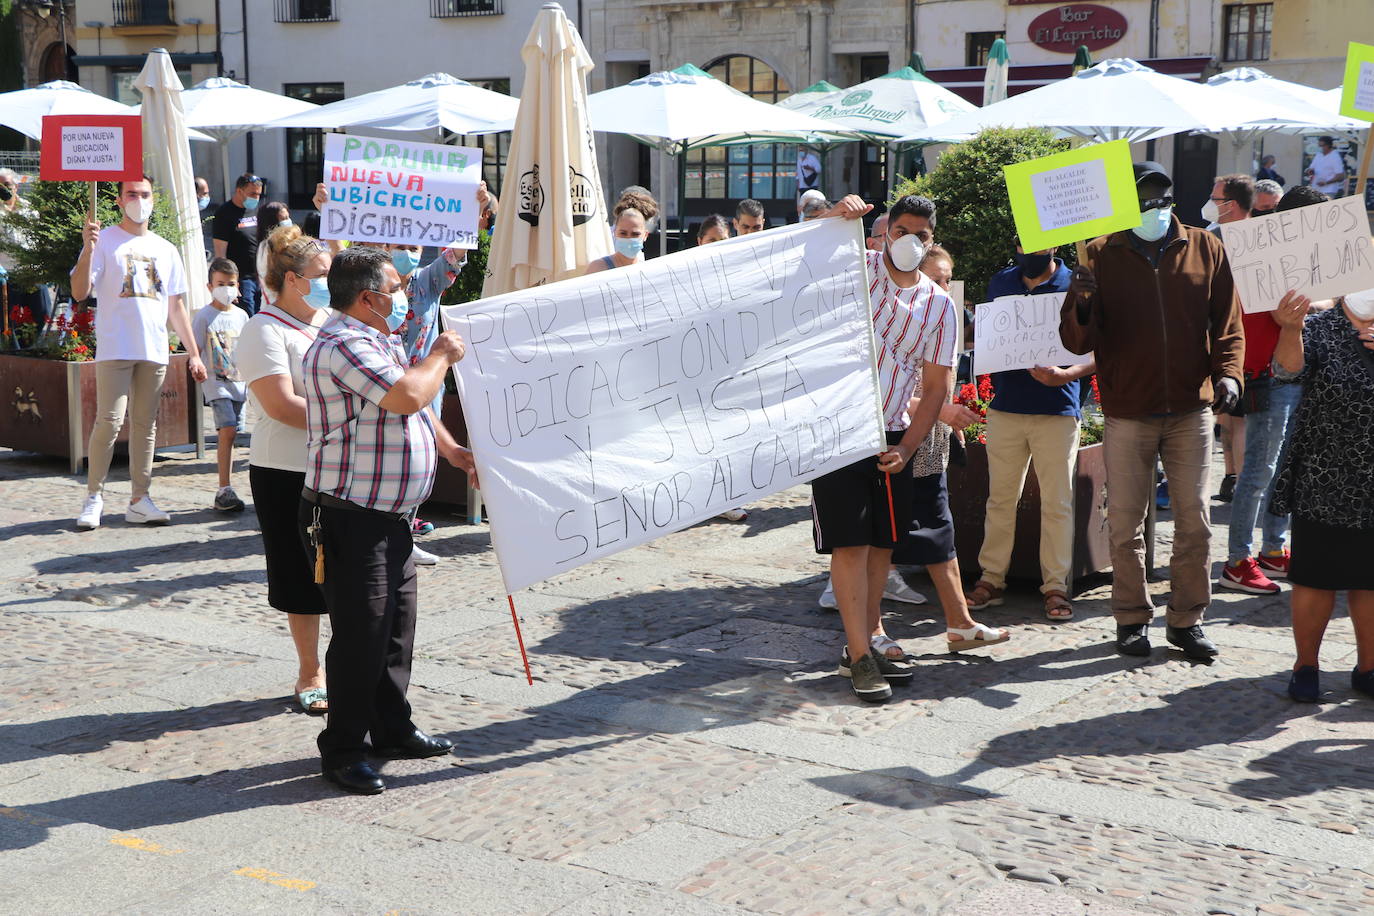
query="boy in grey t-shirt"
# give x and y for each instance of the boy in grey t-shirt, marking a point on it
(217, 327)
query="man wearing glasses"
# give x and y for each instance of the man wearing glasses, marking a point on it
(1157, 306)
(234, 232)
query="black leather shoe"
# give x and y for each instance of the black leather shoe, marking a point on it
(358, 778)
(1193, 642)
(414, 747)
(1133, 639)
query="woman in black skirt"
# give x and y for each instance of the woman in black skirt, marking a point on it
(269, 358)
(1326, 478)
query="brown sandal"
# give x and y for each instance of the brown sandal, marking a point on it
(1057, 607)
(983, 594)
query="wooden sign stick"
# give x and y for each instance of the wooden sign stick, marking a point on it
(90, 211)
(1364, 164)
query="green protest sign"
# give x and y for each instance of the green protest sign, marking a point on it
(1072, 196)
(1357, 92)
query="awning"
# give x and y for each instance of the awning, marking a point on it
(968, 81)
(179, 60)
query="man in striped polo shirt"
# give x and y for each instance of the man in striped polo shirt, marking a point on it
(369, 461)
(860, 509)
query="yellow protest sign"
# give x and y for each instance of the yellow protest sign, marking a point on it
(1357, 92)
(1072, 196)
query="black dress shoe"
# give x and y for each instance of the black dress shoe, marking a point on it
(357, 777)
(1133, 639)
(1193, 642)
(414, 747)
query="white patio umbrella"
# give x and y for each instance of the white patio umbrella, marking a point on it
(428, 103)
(683, 109)
(23, 109)
(553, 226)
(223, 109)
(167, 153)
(1118, 99)
(1293, 108)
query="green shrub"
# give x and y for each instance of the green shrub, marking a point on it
(973, 215)
(48, 240)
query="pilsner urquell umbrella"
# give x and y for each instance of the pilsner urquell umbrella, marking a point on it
(168, 155)
(552, 224)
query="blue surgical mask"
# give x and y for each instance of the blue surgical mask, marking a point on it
(629, 248)
(405, 261)
(318, 297)
(203, 202)
(1154, 223)
(400, 308)
(250, 204)
(284, 222)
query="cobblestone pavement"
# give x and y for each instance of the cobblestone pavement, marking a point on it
(686, 746)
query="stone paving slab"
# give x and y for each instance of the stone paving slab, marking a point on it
(686, 748)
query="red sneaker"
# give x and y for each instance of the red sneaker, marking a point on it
(1275, 567)
(1246, 576)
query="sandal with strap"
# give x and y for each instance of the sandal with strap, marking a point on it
(308, 699)
(1057, 607)
(974, 637)
(983, 595)
(884, 644)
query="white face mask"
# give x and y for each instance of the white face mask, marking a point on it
(139, 209)
(906, 253)
(224, 295)
(1210, 212)
(1361, 304)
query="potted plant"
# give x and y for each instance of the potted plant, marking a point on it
(968, 493)
(47, 373)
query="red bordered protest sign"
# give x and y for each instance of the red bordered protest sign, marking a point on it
(91, 148)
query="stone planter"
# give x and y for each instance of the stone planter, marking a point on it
(968, 497)
(49, 407)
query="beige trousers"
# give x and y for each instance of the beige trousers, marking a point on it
(1183, 442)
(1014, 441)
(120, 384)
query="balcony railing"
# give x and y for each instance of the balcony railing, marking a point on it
(143, 12)
(307, 11)
(449, 9)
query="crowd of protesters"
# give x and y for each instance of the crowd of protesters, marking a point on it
(338, 351)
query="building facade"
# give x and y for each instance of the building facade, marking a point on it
(45, 40)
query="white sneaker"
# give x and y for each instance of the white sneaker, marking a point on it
(897, 590)
(422, 557)
(90, 513)
(827, 599)
(144, 512)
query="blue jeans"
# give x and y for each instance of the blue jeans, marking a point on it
(248, 294)
(1265, 433)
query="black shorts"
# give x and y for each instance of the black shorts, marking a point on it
(290, 570)
(929, 538)
(850, 507)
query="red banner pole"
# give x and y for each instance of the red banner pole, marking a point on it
(529, 678)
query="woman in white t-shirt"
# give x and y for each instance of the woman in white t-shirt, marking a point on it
(269, 356)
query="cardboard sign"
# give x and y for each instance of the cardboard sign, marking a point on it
(1020, 332)
(1072, 196)
(91, 148)
(400, 191)
(1322, 250)
(611, 409)
(1357, 91)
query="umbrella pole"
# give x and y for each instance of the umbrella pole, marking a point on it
(682, 200)
(663, 217)
(224, 166)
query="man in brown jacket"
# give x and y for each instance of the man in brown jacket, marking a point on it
(1157, 306)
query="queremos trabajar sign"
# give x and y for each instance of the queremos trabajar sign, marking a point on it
(1064, 28)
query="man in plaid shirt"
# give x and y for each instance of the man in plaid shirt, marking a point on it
(370, 460)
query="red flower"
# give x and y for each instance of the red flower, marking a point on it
(1097, 395)
(985, 387)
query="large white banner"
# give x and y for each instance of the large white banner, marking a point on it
(1322, 250)
(608, 410)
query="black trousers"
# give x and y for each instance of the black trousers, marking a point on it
(369, 589)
